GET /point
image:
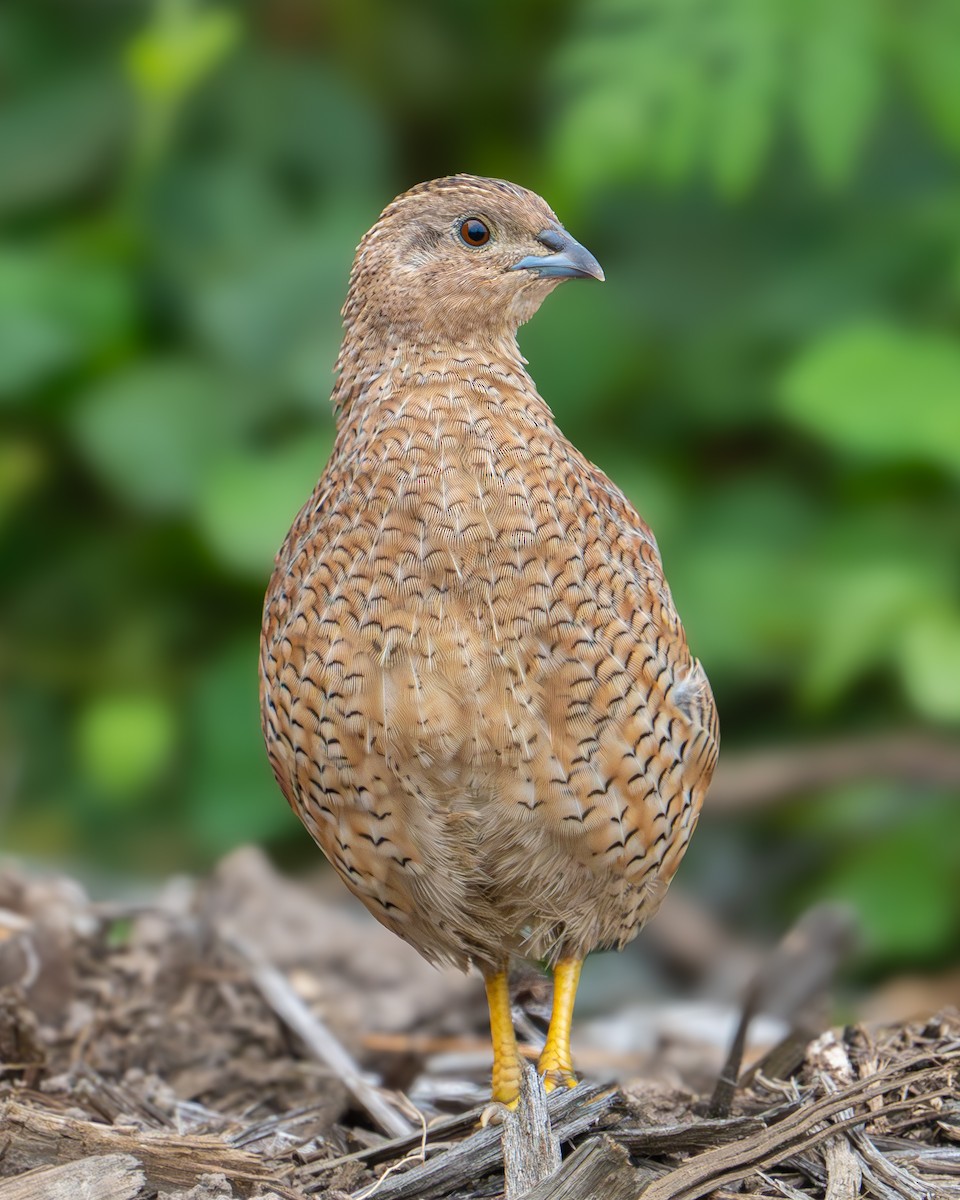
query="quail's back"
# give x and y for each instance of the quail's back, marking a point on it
(476, 692)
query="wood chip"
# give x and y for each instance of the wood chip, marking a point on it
(598, 1168)
(39, 1137)
(105, 1176)
(531, 1151)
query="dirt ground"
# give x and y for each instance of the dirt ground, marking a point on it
(245, 1036)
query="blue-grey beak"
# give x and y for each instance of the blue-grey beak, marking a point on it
(569, 259)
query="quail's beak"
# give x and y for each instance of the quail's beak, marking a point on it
(568, 260)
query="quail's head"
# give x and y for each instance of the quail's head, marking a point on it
(459, 256)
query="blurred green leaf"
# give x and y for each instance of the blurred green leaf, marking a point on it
(930, 664)
(306, 128)
(124, 742)
(308, 372)
(22, 465)
(57, 310)
(260, 314)
(742, 69)
(213, 216)
(31, 349)
(927, 40)
(861, 609)
(742, 577)
(873, 578)
(231, 794)
(579, 334)
(839, 83)
(880, 390)
(248, 501)
(152, 432)
(182, 45)
(166, 62)
(901, 882)
(57, 138)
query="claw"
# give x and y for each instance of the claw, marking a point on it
(495, 1113)
(558, 1077)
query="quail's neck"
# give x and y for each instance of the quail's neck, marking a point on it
(373, 364)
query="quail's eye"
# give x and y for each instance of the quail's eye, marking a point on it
(474, 232)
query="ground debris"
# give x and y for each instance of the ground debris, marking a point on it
(212, 1044)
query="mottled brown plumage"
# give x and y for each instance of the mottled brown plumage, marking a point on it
(476, 692)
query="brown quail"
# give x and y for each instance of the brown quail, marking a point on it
(476, 692)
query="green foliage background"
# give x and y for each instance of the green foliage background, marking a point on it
(772, 372)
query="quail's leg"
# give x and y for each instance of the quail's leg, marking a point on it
(555, 1063)
(507, 1066)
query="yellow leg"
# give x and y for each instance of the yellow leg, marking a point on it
(555, 1064)
(507, 1067)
